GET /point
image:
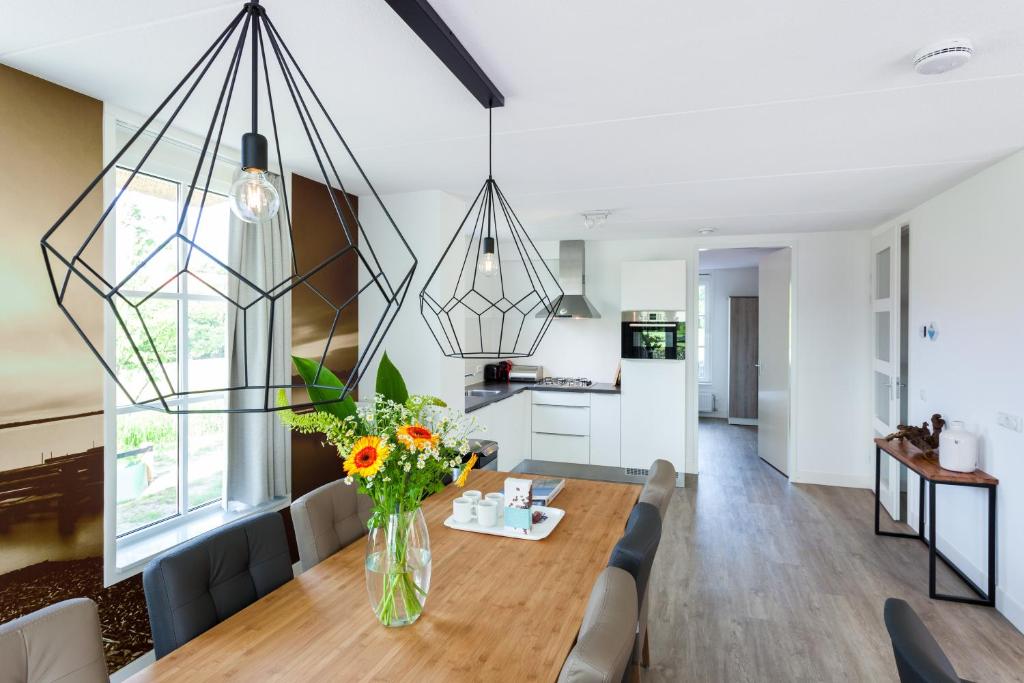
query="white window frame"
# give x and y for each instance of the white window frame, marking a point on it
(126, 556)
(703, 322)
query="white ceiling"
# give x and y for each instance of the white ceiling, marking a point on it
(720, 259)
(747, 116)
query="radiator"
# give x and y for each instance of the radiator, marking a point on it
(706, 402)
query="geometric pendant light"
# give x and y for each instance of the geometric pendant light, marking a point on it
(490, 295)
(215, 249)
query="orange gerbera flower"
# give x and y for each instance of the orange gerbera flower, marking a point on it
(367, 457)
(417, 437)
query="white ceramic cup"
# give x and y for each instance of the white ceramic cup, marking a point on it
(498, 498)
(462, 510)
(474, 496)
(487, 513)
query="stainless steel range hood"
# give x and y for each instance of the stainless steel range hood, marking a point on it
(572, 276)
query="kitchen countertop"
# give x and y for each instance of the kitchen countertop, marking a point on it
(506, 389)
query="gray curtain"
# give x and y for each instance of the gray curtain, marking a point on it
(259, 448)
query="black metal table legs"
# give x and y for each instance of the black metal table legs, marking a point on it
(988, 598)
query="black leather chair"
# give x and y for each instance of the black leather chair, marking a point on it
(919, 659)
(202, 582)
(636, 549)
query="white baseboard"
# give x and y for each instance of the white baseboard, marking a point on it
(1010, 608)
(296, 568)
(973, 572)
(133, 668)
(833, 479)
(750, 421)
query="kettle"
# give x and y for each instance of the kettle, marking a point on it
(958, 449)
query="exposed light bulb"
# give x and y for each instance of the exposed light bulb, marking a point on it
(254, 199)
(488, 265)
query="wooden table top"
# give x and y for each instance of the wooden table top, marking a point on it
(498, 608)
(928, 465)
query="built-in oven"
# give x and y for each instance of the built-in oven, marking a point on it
(654, 334)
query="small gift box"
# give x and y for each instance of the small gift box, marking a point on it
(518, 513)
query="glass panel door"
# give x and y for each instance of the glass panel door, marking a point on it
(885, 302)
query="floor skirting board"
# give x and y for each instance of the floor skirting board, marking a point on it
(748, 421)
(832, 479)
(1011, 609)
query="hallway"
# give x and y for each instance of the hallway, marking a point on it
(760, 580)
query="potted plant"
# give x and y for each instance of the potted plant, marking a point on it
(397, 448)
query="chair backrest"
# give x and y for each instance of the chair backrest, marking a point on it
(605, 642)
(636, 549)
(57, 643)
(202, 582)
(660, 485)
(919, 659)
(327, 519)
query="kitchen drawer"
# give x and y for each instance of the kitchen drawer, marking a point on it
(560, 398)
(561, 419)
(561, 448)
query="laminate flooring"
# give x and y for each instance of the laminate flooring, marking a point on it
(757, 579)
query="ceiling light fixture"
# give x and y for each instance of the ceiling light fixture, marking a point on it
(595, 219)
(944, 56)
(188, 258)
(493, 310)
(706, 231)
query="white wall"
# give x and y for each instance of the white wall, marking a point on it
(966, 277)
(723, 283)
(427, 220)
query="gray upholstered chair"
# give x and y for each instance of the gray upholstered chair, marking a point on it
(327, 519)
(199, 584)
(60, 644)
(660, 485)
(605, 641)
(635, 553)
(919, 659)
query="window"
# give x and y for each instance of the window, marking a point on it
(168, 465)
(703, 332)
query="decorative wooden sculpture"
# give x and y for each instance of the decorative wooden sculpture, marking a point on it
(924, 438)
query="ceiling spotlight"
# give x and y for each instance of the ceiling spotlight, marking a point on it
(706, 231)
(594, 219)
(938, 58)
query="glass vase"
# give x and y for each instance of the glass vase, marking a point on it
(398, 568)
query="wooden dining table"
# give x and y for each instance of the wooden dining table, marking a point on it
(499, 609)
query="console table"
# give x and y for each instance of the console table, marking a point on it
(928, 469)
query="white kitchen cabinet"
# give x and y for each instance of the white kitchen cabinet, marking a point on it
(605, 430)
(572, 448)
(653, 286)
(653, 412)
(560, 425)
(507, 422)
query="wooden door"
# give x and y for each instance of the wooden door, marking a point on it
(743, 331)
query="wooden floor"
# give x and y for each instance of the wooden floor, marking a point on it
(760, 580)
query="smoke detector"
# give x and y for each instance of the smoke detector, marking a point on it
(938, 58)
(593, 219)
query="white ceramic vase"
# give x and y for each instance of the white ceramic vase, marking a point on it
(958, 449)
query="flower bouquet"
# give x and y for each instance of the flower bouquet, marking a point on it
(397, 450)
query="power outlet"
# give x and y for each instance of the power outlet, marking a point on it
(1011, 422)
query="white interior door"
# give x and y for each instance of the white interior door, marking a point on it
(773, 331)
(885, 375)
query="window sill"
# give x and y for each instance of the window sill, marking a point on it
(133, 552)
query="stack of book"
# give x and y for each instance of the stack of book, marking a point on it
(545, 490)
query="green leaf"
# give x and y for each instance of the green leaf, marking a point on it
(390, 384)
(324, 399)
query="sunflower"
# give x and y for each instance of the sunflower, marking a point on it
(367, 457)
(417, 437)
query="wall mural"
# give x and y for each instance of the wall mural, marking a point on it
(51, 416)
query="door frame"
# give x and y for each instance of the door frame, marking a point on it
(692, 386)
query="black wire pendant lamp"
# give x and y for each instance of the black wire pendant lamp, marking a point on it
(171, 281)
(505, 295)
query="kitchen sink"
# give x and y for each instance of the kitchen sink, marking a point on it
(483, 392)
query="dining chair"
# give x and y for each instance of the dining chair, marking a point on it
(327, 519)
(602, 650)
(919, 659)
(659, 486)
(60, 642)
(202, 582)
(635, 553)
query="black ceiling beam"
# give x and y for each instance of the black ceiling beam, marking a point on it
(432, 30)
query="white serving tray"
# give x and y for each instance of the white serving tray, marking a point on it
(539, 531)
